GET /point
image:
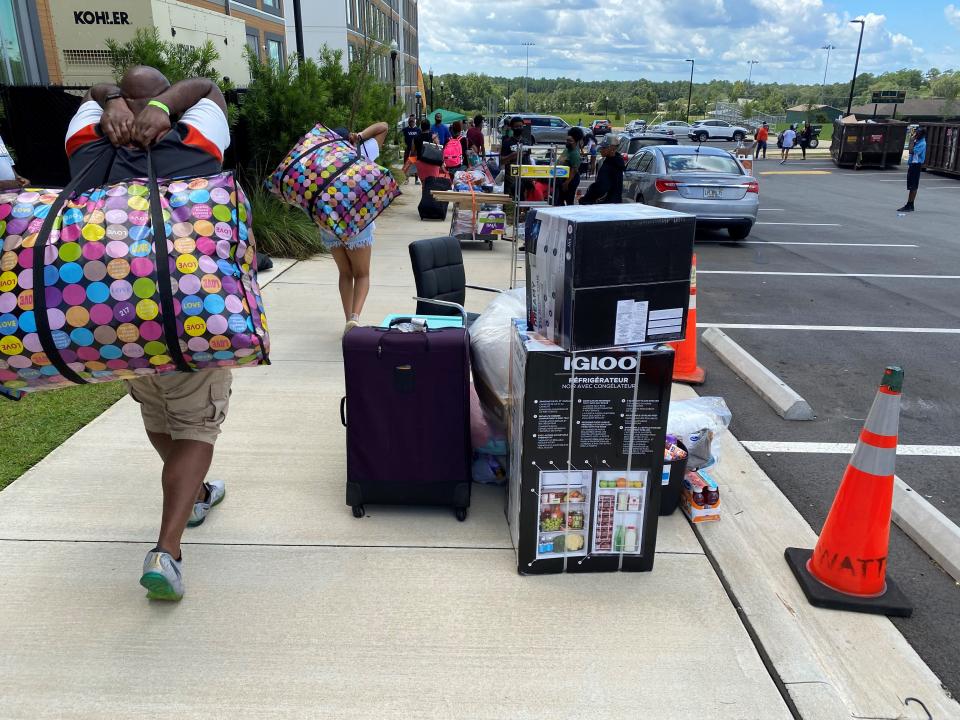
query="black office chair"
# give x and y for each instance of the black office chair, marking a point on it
(441, 279)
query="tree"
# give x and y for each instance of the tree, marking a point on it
(177, 62)
(947, 86)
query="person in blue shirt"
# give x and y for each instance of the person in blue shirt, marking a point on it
(918, 155)
(440, 130)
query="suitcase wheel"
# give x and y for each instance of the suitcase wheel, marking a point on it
(358, 511)
(461, 514)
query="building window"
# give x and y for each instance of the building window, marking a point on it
(253, 42)
(275, 49)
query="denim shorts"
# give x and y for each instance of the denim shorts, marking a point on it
(364, 239)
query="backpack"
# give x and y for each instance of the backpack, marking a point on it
(453, 153)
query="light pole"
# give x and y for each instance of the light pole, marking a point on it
(298, 28)
(419, 99)
(751, 63)
(394, 49)
(856, 64)
(690, 91)
(432, 106)
(441, 94)
(526, 77)
(828, 47)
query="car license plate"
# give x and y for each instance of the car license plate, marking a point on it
(712, 193)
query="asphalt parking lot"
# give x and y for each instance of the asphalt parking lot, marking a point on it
(832, 285)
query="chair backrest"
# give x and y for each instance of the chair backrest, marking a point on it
(439, 274)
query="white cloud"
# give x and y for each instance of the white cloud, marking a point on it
(952, 13)
(613, 39)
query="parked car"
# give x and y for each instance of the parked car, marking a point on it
(600, 127)
(631, 144)
(702, 181)
(673, 127)
(544, 128)
(703, 130)
(636, 126)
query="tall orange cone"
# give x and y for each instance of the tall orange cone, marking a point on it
(685, 368)
(848, 568)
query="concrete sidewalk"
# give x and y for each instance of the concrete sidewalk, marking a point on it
(294, 609)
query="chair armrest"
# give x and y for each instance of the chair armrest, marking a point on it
(460, 308)
(485, 289)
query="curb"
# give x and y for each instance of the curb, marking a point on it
(780, 396)
(927, 527)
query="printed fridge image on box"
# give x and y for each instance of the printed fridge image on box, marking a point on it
(586, 436)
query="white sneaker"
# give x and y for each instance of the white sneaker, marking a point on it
(351, 324)
(162, 576)
(216, 490)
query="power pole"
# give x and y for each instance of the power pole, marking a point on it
(856, 64)
(826, 65)
(690, 91)
(526, 78)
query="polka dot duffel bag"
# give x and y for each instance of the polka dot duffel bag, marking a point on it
(115, 304)
(338, 187)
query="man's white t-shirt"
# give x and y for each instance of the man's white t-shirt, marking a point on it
(789, 137)
(205, 117)
(370, 150)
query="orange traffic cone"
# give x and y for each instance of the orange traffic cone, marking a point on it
(685, 368)
(848, 568)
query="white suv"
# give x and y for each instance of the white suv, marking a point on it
(703, 130)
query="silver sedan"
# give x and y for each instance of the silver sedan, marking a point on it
(706, 182)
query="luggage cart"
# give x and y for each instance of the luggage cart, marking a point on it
(531, 171)
(473, 201)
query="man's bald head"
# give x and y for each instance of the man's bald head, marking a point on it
(141, 83)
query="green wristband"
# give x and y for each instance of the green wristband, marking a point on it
(158, 104)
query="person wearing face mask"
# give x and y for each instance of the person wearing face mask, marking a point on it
(608, 187)
(509, 151)
(565, 190)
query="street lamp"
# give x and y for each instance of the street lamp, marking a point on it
(419, 99)
(828, 47)
(690, 91)
(441, 94)
(526, 77)
(431, 89)
(856, 64)
(394, 49)
(751, 63)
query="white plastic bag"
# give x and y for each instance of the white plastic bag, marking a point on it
(698, 423)
(490, 340)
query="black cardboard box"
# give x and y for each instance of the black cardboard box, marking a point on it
(590, 505)
(608, 275)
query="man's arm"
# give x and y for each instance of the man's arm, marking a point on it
(117, 119)
(153, 123)
(597, 190)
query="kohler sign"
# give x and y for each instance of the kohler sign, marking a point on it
(100, 17)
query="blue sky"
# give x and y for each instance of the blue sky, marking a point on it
(624, 39)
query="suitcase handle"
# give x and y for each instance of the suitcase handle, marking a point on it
(426, 340)
(399, 320)
(343, 410)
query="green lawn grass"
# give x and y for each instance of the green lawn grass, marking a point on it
(41, 422)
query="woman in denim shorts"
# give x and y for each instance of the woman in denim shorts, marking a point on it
(353, 256)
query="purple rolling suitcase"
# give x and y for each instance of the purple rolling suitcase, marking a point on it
(407, 414)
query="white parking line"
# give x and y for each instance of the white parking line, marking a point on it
(828, 448)
(773, 209)
(838, 244)
(941, 187)
(802, 224)
(827, 274)
(832, 328)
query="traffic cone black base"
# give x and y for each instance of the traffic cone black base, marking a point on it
(892, 602)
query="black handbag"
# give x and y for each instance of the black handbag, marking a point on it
(431, 154)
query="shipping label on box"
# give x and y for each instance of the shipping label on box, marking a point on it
(608, 275)
(587, 433)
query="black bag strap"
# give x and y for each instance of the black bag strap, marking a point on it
(159, 227)
(44, 334)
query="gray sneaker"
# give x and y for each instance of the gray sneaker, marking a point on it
(217, 490)
(162, 576)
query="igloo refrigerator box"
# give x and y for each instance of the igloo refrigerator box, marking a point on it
(608, 275)
(587, 435)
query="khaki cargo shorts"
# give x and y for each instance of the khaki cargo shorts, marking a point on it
(185, 406)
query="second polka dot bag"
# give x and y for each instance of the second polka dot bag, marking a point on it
(338, 187)
(115, 304)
